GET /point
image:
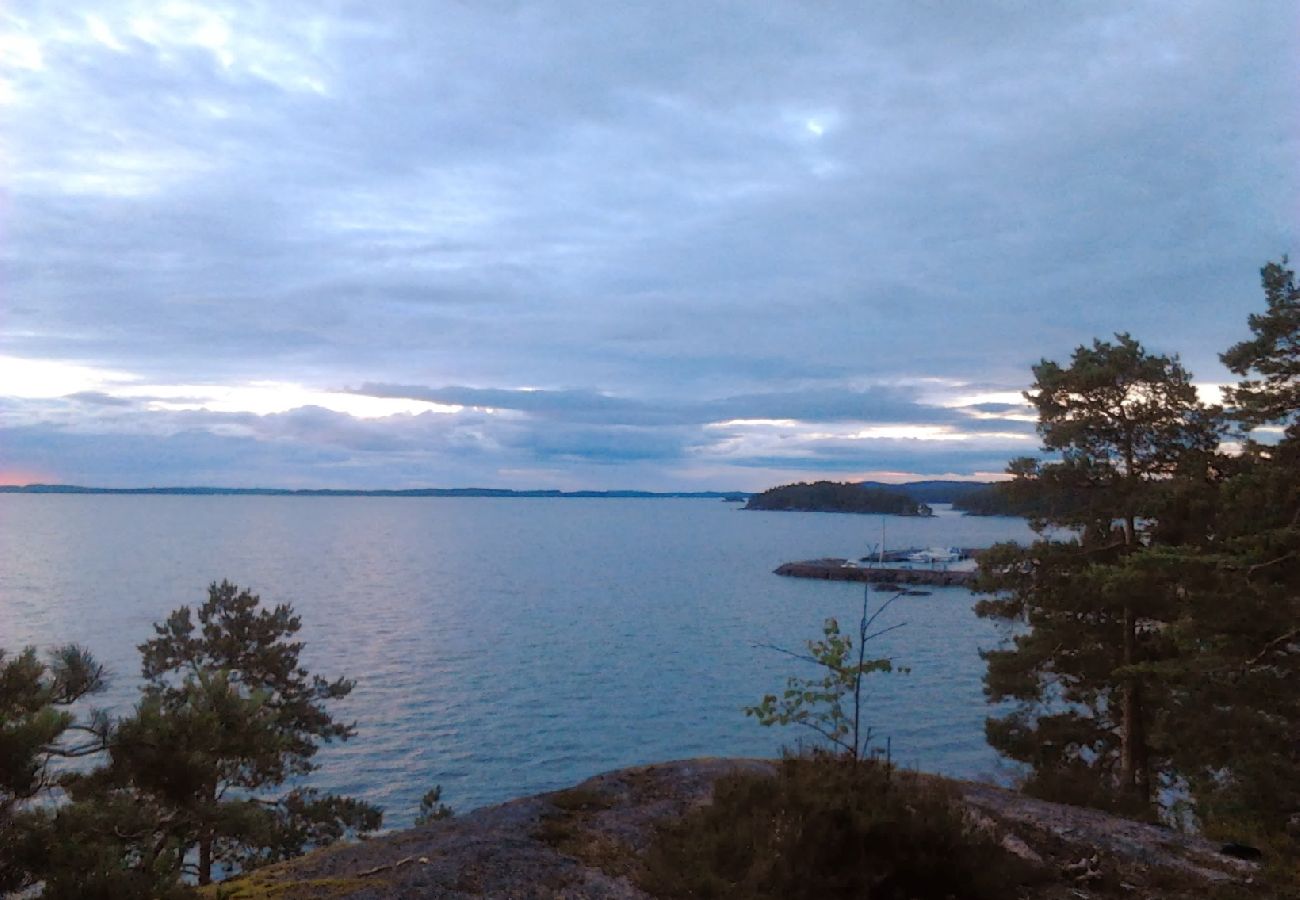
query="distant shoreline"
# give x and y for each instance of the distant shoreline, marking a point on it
(47, 489)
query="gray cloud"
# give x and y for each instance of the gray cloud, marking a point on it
(824, 404)
(1019, 408)
(99, 398)
(662, 217)
(921, 462)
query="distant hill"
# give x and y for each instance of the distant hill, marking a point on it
(1002, 499)
(831, 496)
(934, 491)
(330, 492)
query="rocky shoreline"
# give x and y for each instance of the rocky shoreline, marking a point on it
(586, 842)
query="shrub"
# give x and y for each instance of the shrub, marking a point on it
(826, 827)
(432, 809)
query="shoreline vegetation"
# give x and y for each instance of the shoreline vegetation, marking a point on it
(876, 498)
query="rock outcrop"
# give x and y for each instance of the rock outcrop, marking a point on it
(586, 842)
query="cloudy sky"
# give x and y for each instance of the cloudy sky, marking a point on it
(602, 245)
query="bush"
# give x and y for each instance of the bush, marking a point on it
(432, 809)
(826, 827)
(1078, 785)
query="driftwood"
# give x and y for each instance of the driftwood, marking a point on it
(424, 860)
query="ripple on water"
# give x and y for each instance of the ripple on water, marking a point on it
(504, 647)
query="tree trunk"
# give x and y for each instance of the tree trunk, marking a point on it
(857, 681)
(1135, 767)
(206, 838)
(205, 858)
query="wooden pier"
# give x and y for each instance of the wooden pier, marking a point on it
(846, 570)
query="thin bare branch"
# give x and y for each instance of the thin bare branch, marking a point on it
(1273, 645)
(839, 742)
(1250, 572)
(803, 656)
(880, 609)
(405, 861)
(877, 634)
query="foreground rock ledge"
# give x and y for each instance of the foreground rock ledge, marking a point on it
(585, 842)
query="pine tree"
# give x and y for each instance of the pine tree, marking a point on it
(1235, 716)
(1131, 441)
(227, 717)
(37, 729)
(1269, 393)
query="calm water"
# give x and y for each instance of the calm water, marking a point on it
(507, 646)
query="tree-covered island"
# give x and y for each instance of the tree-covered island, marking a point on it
(831, 496)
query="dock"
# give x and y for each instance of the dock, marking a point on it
(834, 569)
(902, 556)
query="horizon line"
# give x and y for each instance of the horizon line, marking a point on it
(63, 488)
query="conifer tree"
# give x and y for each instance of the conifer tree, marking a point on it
(1128, 434)
(38, 728)
(226, 718)
(1269, 392)
(1235, 716)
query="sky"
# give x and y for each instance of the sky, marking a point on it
(669, 246)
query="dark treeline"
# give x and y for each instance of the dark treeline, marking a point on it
(1001, 499)
(830, 496)
(1160, 644)
(977, 498)
(932, 491)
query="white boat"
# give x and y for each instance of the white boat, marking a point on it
(935, 555)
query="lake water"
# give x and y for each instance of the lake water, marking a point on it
(509, 646)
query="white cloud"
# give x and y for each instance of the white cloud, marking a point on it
(267, 397)
(48, 378)
(20, 51)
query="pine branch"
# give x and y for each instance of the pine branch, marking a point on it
(1250, 572)
(1272, 645)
